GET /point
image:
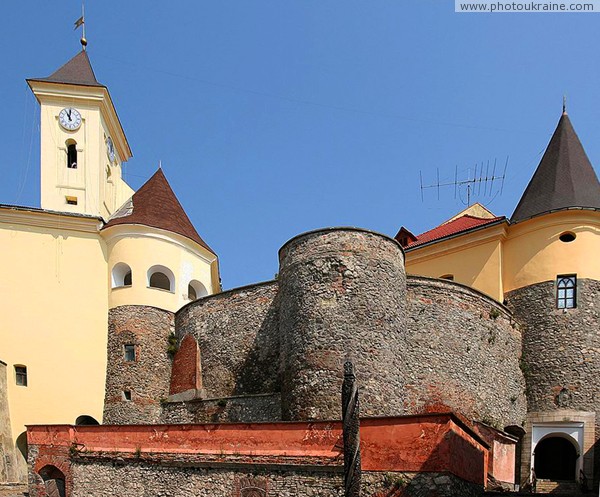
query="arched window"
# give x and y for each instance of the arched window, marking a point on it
(566, 287)
(86, 420)
(121, 275)
(71, 154)
(161, 277)
(196, 290)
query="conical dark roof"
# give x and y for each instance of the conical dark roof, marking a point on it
(155, 205)
(78, 71)
(564, 178)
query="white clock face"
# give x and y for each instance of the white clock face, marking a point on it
(69, 118)
(110, 148)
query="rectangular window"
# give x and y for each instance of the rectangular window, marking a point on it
(21, 375)
(127, 395)
(129, 350)
(71, 200)
(566, 291)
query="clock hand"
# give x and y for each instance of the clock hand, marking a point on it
(69, 114)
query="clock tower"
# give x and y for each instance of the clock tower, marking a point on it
(83, 145)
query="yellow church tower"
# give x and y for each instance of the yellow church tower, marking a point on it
(83, 142)
(92, 247)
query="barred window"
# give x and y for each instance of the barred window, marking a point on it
(566, 287)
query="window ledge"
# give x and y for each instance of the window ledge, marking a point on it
(160, 289)
(121, 286)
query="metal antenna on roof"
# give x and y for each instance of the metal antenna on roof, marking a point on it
(472, 184)
(564, 105)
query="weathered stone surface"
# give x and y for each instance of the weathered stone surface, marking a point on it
(242, 409)
(148, 377)
(561, 347)
(342, 294)
(100, 479)
(238, 338)
(460, 352)
(561, 350)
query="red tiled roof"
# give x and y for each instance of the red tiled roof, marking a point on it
(458, 225)
(155, 205)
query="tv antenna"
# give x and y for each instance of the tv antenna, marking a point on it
(482, 177)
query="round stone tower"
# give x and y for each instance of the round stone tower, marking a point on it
(138, 364)
(559, 310)
(343, 293)
(552, 284)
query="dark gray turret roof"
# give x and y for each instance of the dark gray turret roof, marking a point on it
(564, 178)
(78, 71)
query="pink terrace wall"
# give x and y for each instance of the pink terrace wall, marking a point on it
(501, 463)
(435, 443)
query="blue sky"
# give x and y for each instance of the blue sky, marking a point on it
(276, 117)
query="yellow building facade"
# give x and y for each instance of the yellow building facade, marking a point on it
(554, 230)
(543, 264)
(93, 244)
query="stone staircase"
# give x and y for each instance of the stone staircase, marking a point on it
(564, 488)
(559, 487)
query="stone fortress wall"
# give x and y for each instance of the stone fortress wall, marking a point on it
(274, 351)
(561, 361)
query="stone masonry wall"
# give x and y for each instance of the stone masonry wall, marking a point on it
(242, 409)
(101, 478)
(561, 349)
(238, 339)
(342, 294)
(460, 351)
(147, 378)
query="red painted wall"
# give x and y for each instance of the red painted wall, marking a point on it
(502, 452)
(437, 442)
(185, 374)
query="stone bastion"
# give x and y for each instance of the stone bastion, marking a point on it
(274, 351)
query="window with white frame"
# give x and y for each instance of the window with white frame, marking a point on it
(566, 291)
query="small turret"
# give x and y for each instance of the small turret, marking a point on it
(564, 179)
(156, 257)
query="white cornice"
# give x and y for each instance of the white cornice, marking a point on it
(121, 231)
(44, 219)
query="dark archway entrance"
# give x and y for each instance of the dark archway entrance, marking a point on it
(54, 481)
(555, 459)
